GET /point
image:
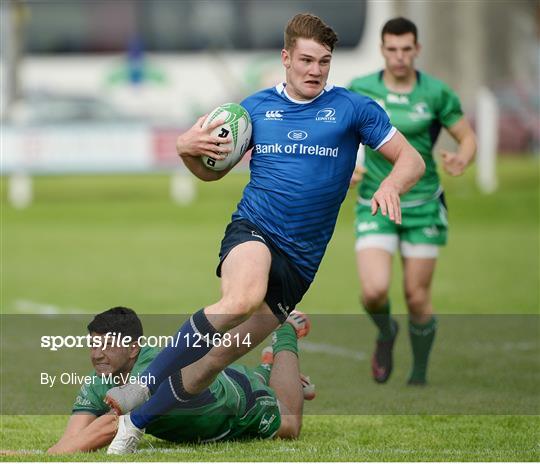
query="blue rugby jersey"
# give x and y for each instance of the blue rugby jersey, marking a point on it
(303, 157)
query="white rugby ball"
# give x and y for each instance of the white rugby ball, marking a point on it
(237, 125)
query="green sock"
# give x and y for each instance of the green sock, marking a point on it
(422, 336)
(381, 318)
(284, 339)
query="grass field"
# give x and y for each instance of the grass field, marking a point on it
(89, 243)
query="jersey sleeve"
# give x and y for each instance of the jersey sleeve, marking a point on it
(373, 124)
(90, 400)
(449, 111)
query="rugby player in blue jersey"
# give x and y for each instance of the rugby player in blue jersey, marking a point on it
(305, 137)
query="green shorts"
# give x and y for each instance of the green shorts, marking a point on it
(261, 417)
(424, 224)
(239, 405)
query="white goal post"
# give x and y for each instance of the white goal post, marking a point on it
(487, 127)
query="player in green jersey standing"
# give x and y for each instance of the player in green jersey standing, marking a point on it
(241, 403)
(419, 106)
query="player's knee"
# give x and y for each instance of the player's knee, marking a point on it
(374, 296)
(417, 299)
(239, 308)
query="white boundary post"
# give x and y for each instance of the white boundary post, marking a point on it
(487, 126)
(20, 190)
(183, 189)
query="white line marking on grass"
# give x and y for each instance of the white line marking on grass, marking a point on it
(19, 452)
(33, 307)
(525, 345)
(191, 448)
(325, 348)
(182, 449)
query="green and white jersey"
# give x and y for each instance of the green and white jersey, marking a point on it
(419, 116)
(239, 404)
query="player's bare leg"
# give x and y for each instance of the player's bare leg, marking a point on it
(418, 276)
(244, 282)
(257, 328)
(196, 377)
(375, 272)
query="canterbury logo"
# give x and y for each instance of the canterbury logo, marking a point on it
(277, 114)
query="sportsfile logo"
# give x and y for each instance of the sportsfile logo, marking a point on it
(326, 115)
(274, 115)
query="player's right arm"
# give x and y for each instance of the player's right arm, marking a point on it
(408, 168)
(86, 432)
(377, 132)
(197, 142)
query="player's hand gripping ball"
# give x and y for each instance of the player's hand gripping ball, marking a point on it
(237, 125)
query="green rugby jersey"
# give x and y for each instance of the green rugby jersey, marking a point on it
(419, 116)
(225, 413)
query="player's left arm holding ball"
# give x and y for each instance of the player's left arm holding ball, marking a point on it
(198, 142)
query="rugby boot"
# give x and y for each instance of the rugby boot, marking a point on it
(127, 437)
(382, 360)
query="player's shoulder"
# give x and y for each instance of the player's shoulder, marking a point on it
(366, 82)
(252, 101)
(353, 98)
(432, 84)
(358, 103)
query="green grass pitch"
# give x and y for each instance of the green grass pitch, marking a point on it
(89, 243)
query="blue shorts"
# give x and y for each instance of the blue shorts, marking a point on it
(286, 286)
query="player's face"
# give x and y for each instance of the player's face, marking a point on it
(399, 52)
(112, 359)
(306, 67)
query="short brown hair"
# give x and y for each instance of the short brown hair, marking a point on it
(399, 26)
(308, 26)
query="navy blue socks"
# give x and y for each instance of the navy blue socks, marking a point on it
(170, 395)
(191, 343)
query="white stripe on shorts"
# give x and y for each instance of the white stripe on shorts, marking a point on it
(387, 242)
(418, 250)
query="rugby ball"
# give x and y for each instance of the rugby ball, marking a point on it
(237, 125)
